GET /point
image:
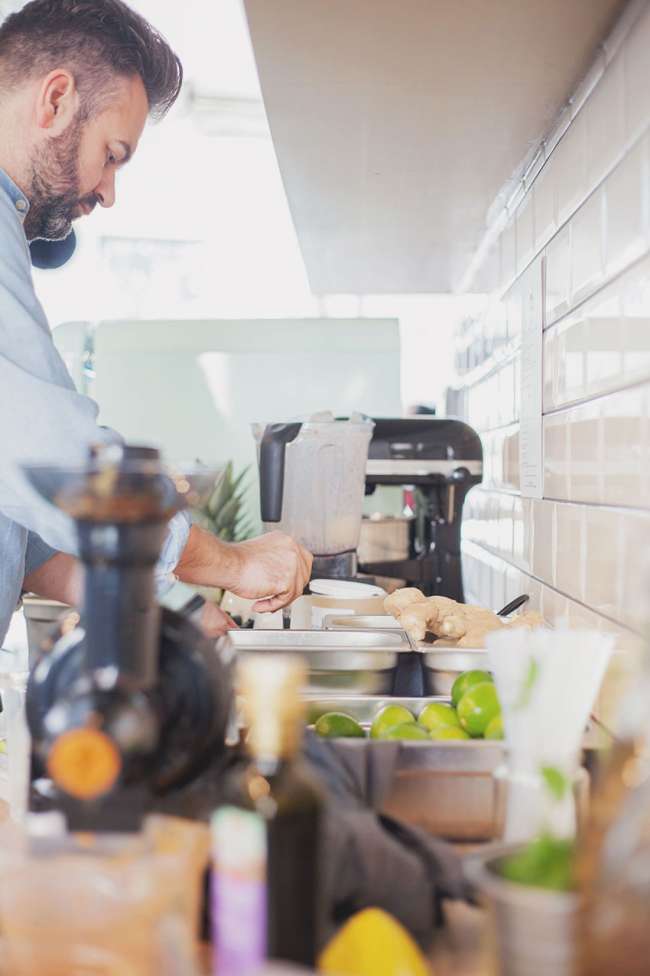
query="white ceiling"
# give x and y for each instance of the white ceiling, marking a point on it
(396, 123)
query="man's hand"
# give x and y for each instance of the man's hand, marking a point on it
(272, 569)
(214, 622)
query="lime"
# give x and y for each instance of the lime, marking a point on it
(478, 707)
(407, 730)
(338, 725)
(436, 714)
(448, 732)
(465, 681)
(387, 718)
(494, 728)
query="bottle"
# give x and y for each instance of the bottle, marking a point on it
(266, 835)
(613, 862)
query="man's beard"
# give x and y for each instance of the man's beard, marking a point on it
(54, 191)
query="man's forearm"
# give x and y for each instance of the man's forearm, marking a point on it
(208, 561)
(57, 579)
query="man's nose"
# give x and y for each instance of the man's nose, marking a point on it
(105, 191)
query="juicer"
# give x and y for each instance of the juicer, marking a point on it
(129, 708)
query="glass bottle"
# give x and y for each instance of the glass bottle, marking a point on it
(266, 835)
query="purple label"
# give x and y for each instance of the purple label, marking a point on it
(238, 892)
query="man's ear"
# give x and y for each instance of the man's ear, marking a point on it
(57, 102)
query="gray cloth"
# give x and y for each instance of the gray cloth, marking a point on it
(374, 860)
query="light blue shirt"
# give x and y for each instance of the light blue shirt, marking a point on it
(42, 419)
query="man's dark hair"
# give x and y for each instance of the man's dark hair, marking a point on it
(97, 41)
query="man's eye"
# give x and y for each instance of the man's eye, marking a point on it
(110, 159)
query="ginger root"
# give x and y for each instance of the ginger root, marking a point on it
(399, 600)
(457, 624)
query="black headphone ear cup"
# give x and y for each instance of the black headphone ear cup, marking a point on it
(49, 255)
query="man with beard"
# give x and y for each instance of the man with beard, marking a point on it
(78, 80)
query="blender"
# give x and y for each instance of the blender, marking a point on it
(312, 483)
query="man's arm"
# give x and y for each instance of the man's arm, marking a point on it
(57, 579)
(272, 569)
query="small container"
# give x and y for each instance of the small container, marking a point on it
(343, 597)
(532, 931)
(442, 665)
(340, 662)
(446, 788)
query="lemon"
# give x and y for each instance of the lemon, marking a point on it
(387, 718)
(465, 681)
(436, 714)
(338, 725)
(372, 943)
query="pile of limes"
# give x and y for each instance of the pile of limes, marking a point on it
(474, 713)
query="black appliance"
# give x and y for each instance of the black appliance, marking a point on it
(440, 459)
(130, 707)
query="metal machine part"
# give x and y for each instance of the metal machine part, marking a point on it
(438, 460)
(133, 703)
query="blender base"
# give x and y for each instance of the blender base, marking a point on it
(341, 565)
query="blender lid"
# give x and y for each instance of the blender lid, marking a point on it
(345, 589)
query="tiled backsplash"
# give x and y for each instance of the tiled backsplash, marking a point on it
(583, 551)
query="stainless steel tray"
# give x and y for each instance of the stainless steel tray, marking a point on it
(444, 787)
(341, 662)
(442, 665)
(360, 621)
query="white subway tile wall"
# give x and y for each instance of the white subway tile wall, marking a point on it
(583, 551)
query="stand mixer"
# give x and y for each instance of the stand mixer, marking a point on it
(130, 707)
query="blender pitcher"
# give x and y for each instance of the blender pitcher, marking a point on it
(312, 484)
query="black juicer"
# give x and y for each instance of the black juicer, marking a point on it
(440, 459)
(130, 707)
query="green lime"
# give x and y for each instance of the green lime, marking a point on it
(494, 728)
(407, 730)
(465, 681)
(338, 725)
(387, 718)
(436, 714)
(448, 732)
(478, 707)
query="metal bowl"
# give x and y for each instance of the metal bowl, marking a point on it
(442, 665)
(446, 787)
(340, 662)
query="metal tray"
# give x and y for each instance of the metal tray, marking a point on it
(360, 621)
(442, 665)
(339, 662)
(446, 787)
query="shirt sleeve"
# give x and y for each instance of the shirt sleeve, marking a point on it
(175, 542)
(37, 553)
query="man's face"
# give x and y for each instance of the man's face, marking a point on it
(72, 172)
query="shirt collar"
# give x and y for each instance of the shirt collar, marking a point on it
(15, 194)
